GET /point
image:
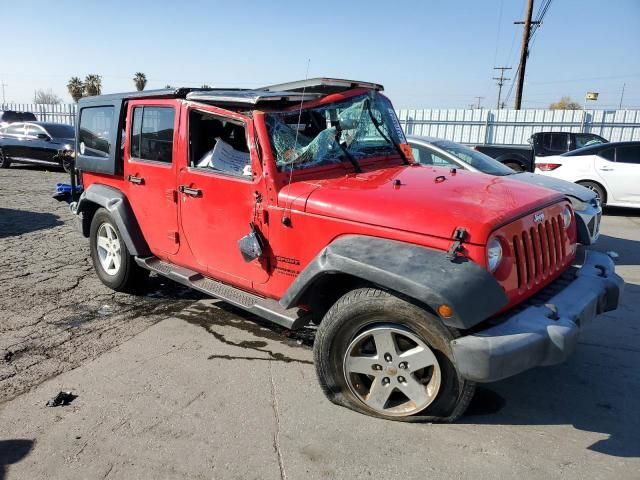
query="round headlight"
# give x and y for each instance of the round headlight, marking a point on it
(494, 254)
(566, 217)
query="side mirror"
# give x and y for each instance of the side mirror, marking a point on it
(251, 244)
(43, 136)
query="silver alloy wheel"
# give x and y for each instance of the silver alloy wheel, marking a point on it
(392, 371)
(108, 247)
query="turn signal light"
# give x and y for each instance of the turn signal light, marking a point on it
(547, 167)
(408, 153)
(445, 311)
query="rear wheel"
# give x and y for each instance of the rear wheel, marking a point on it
(113, 263)
(514, 166)
(5, 162)
(380, 355)
(597, 189)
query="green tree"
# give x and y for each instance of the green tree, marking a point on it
(204, 85)
(565, 103)
(140, 81)
(76, 88)
(92, 85)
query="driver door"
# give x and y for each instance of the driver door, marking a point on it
(219, 190)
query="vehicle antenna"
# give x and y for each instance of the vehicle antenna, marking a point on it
(286, 219)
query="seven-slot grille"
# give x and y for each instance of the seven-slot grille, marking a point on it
(539, 251)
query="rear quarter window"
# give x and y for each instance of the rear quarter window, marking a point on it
(95, 131)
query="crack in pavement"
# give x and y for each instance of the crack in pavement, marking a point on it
(276, 434)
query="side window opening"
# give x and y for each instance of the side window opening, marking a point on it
(152, 134)
(95, 131)
(218, 144)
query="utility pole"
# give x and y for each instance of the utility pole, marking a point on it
(622, 95)
(501, 79)
(479, 98)
(524, 52)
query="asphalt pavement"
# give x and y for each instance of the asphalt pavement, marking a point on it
(174, 385)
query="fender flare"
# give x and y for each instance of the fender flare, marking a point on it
(116, 203)
(418, 272)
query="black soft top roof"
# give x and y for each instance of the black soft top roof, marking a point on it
(279, 95)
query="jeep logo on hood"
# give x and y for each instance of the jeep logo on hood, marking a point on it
(538, 217)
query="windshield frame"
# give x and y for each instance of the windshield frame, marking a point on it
(392, 156)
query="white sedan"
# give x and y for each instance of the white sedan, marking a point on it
(612, 170)
(439, 152)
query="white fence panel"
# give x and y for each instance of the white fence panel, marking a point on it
(514, 127)
(508, 127)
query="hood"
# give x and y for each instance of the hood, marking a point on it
(562, 186)
(427, 200)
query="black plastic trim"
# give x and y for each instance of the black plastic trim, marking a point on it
(116, 203)
(420, 273)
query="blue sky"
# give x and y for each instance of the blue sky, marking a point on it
(428, 54)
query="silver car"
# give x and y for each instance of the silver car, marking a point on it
(438, 152)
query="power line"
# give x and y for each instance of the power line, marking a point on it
(501, 79)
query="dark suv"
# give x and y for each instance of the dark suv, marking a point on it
(11, 116)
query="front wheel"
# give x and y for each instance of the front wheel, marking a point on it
(383, 356)
(597, 189)
(113, 263)
(5, 162)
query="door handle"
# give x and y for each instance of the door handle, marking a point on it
(193, 192)
(606, 169)
(136, 180)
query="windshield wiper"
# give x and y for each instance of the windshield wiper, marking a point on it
(392, 141)
(351, 158)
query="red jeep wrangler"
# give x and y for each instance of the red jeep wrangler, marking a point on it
(301, 203)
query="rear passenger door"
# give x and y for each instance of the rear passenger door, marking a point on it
(13, 140)
(622, 176)
(150, 172)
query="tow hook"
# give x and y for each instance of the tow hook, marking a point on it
(459, 236)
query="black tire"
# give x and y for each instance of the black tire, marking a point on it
(597, 188)
(130, 277)
(514, 166)
(5, 162)
(363, 308)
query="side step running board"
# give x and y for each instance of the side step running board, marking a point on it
(266, 308)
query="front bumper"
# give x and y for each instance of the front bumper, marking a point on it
(545, 332)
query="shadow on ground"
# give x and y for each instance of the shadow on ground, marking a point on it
(621, 212)
(596, 390)
(16, 222)
(627, 250)
(13, 451)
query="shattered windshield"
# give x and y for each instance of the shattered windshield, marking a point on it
(356, 128)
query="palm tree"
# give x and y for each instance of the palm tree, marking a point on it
(92, 85)
(76, 88)
(140, 81)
